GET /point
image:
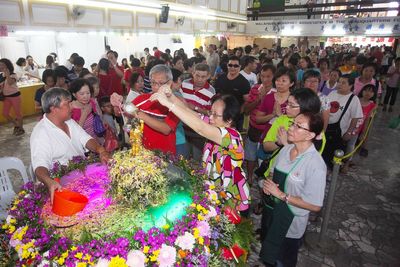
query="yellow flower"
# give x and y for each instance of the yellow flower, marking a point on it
(155, 255)
(166, 227)
(146, 249)
(193, 205)
(4, 226)
(117, 262)
(200, 217)
(79, 255)
(16, 201)
(23, 192)
(65, 254)
(61, 261)
(211, 186)
(81, 264)
(201, 240)
(11, 229)
(74, 248)
(196, 232)
(87, 258)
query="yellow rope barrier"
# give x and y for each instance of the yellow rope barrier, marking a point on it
(339, 160)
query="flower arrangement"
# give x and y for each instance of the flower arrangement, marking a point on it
(210, 234)
(136, 182)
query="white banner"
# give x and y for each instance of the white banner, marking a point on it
(380, 26)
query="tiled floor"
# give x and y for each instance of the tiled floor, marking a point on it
(365, 217)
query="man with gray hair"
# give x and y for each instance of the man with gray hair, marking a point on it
(159, 123)
(58, 138)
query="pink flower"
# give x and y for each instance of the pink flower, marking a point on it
(167, 256)
(136, 258)
(102, 263)
(204, 228)
(185, 241)
(211, 213)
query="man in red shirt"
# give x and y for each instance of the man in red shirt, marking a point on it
(159, 123)
(198, 94)
(116, 72)
(157, 53)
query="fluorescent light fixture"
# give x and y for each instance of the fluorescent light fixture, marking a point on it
(378, 32)
(34, 32)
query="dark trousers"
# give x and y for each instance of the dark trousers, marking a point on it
(289, 252)
(391, 93)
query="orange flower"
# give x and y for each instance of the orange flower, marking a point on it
(223, 194)
(182, 254)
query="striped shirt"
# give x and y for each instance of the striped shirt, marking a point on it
(199, 98)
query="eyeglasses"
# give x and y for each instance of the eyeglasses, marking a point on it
(158, 84)
(233, 65)
(297, 126)
(215, 114)
(292, 106)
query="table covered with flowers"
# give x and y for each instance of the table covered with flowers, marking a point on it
(144, 209)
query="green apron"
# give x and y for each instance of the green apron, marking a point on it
(276, 220)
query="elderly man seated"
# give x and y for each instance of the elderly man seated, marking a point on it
(58, 138)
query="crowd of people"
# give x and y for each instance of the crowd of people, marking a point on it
(293, 106)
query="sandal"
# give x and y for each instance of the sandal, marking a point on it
(19, 131)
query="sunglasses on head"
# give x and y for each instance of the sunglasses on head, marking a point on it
(233, 65)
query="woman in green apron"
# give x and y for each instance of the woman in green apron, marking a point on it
(296, 188)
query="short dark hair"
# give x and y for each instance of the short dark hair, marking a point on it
(77, 85)
(369, 87)
(49, 60)
(233, 58)
(79, 61)
(48, 73)
(84, 72)
(135, 62)
(323, 60)
(175, 74)
(61, 71)
(350, 79)
(104, 100)
(104, 64)
(270, 67)
(20, 61)
(315, 122)
(247, 60)
(133, 78)
(247, 49)
(307, 99)
(176, 59)
(232, 107)
(8, 64)
(311, 74)
(368, 65)
(202, 67)
(288, 72)
(188, 63)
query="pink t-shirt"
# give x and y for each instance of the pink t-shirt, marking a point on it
(267, 106)
(358, 85)
(253, 95)
(10, 89)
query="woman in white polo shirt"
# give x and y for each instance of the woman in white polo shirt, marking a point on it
(296, 188)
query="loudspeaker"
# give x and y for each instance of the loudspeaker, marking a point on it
(164, 14)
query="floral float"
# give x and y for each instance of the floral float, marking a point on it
(146, 210)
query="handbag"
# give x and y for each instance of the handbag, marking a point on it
(111, 140)
(260, 171)
(98, 125)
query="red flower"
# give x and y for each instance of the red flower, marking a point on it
(232, 215)
(227, 252)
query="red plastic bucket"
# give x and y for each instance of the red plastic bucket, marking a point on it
(67, 203)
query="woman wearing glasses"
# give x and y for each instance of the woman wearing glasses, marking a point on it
(296, 188)
(223, 153)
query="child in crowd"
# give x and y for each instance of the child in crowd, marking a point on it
(368, 106)
(367, 93)
(108, 113)
(181, 148)
(136, 85)
(330, 85)
(48, 77)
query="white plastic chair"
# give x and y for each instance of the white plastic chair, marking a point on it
(6, 189)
